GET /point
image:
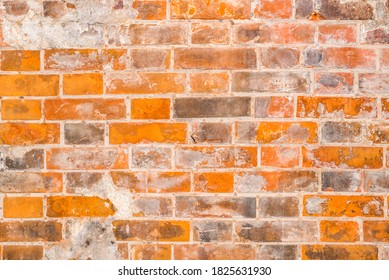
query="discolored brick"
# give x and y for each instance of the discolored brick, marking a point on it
(339, 231)
(337, 34)
(149, 157)
(350, 10)
(150, 10)
(339, 252)
(214, 252)
(277, 252)
(376, 231)
(80, 181)
(210, 33)
(21, 109)
(30, 182)
(280, 57)
(30, 231)
(209, 82)
(152, 206)
(273, 107)
(377, 181)
(273, 9)
(211, 133)
(22, 158)
(343, 132)
(150, 58)
(16, 60)
(16, 252)
(334, 83)
(278, 207)
(212, 231)
(168, 182)
(133, 181)
(84, 133)
(374, 83)
(342, 181)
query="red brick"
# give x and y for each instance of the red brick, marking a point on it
(337, 34)
(30, 231)
(150, 58)
(280, 156)
(151, 252)
(273, 9)
(274, 107)
(350, 58)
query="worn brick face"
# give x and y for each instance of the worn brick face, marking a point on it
(194, 129)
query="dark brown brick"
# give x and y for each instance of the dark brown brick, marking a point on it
(84, 133)
(12, 252)
(278, 206)
(350, 10)
(211, 133)
(81, 181)
(342, 181)
(335, 132)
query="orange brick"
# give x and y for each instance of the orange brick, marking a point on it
(30, 231)
(84, 109)
(83, 59)
(79, 206)
(29, 85)
(273, 9)
(339, 252)
(23, 207)
(80, 84)
(385, 58)
(29, 133)
(343, 157)
(223, 9)
(21, 109)
(376, 231)
(280, 156)
(15, 252)
(209, 82)
(146, 83)
(152, 252)
(214, 252)
(15, 60)
(150, 10)
(168, 182)
(123, 251)
(134, 181)
(336, 107)
(343, 206)
(210, 33)
(212, 58)
(339, 231)
(337, 34)
(146, 108)
(152, 230)
(274, 107)
(87, 158)
(350, 58)
(125, 133)
(214, 182)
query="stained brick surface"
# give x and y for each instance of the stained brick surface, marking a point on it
(194, 129)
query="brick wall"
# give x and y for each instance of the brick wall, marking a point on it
(194, 129)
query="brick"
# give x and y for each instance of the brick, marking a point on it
(277, 252)
(224, 9)
(84, 109)
(147, 108)
(376, 36)
(211, 107)
(336, 107)
(385, 108)
(352, 10)
(384, 60)
(29, 85)
(152, 252)
(211, 133)
(212, 231)
(85, 59)
(276, 132)
(214, 252)
(30, 231)
(342, 157)
(22, 158)
(83, 84)
(209, 82)
(23, 207)
(133, 181)
(343, 132)
(76, 182)
(152, 230)
(150, 10)
(216, 157)
(277, 33)
(377, 181)
(17, 8)
(214, 182)
(273, 9)
(280, 57)
(313, 57)
(349, 58)
(339, 231)
(152, 207)
(153, 59)
(221, 207)
(280, 156)
(334, 83)
(30, 182)
(123, 251)
(149, 157)
(337, 34)
(29, 133)
(132, 133)
(378, 133)
(86, 158)
(374, 83)
(376, 231)
(339, 252)
(283, 82)
(84, 133)
(15, 60)
(147, 34)
(303, 8)
(168, 182)
(215, 58)
(21, 109)
(287, 206)
(56, 9)
(276, 231)
(273, 107)
(343, 206)
(210, 33)
(145, 83)
(79, 206)
(342, 181)
(16, 252)
(276, 181)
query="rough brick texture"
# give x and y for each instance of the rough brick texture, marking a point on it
(194, 129)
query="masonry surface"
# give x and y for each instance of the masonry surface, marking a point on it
(182, 129)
